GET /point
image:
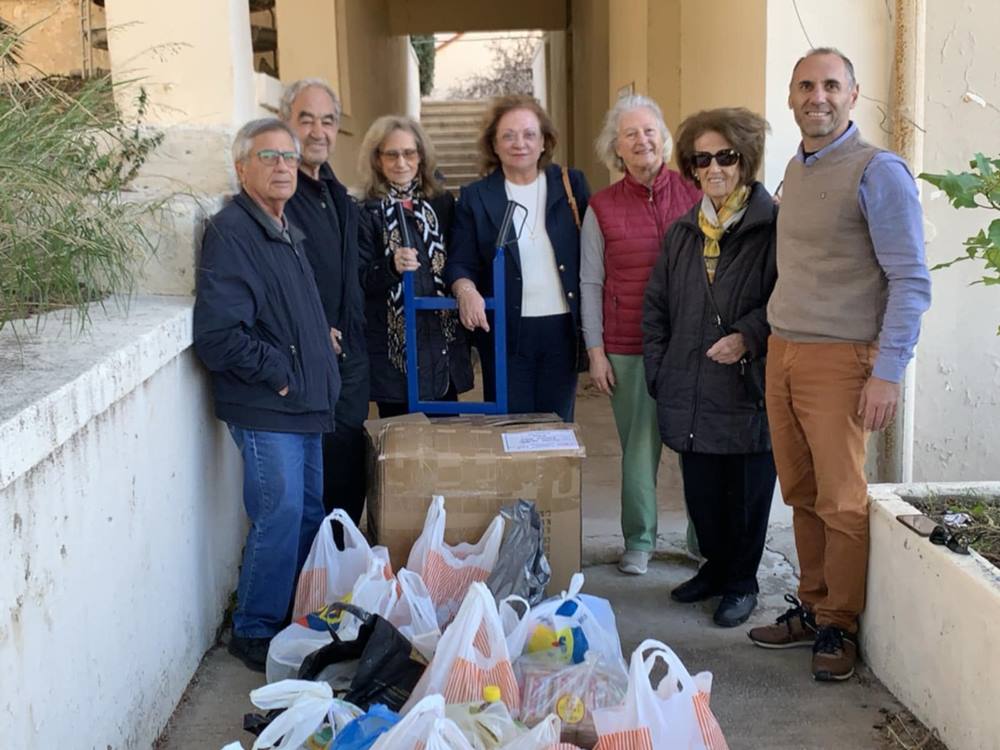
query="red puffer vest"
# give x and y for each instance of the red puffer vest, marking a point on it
(633, 221)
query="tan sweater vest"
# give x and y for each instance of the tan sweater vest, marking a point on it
(830, 284)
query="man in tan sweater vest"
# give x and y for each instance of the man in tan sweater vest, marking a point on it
(845, 317)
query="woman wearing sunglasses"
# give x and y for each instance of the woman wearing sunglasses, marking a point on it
(405, 225)
(705, 334)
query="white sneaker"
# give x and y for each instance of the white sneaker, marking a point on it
(634, 562)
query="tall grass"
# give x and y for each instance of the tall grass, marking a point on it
(70, 233)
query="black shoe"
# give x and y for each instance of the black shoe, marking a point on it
(697, 589)
(734, 609)
(250, 651)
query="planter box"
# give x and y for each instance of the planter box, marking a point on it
(931, 627)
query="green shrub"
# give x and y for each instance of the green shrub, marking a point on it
(423, 45)
(977, 188)
(70, 233)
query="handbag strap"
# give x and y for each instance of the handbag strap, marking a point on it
(570, 197)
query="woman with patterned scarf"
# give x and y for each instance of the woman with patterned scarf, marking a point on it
(705, 335)
(405, 225)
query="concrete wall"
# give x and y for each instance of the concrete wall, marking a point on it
(309, 44)
(958, 364)
(590, 81)
(658, 48)
(862, 30)
(373, 79)
(122, 529)
(194, 59)
(943, 667)
(54, 45)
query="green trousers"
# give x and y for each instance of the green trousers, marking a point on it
(635, 417)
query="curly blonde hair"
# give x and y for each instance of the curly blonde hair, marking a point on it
(373, 183)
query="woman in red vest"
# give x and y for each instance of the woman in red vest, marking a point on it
(622, 233)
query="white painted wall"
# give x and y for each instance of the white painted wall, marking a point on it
(862, 30)
(958, 368)
(121, 527)
(412, 83)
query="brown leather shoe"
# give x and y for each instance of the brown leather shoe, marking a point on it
(797, 627)
(834, 654)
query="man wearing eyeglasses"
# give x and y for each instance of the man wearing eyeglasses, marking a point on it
(327, 216)
(845, 317)
(259, 327)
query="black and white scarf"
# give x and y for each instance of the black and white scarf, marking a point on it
(429, 228)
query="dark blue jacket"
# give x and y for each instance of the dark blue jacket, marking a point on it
(480, 210)
(316, 207)
(259, 325)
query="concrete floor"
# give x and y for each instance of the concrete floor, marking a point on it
(763, 699)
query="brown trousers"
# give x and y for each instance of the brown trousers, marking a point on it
(819, 450)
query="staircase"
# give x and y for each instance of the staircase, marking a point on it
(453, 127)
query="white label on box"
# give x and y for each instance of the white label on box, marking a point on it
(539, 440)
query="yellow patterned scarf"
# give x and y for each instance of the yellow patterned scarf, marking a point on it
(713, 224)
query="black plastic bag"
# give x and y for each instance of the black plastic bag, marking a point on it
(522, 567)
(387, 666)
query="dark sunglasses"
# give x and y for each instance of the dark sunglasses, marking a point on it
(958, 544)
(727, 157)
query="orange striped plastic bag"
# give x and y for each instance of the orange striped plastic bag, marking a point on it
(675, 713)
(448, 570)
(629, 739)
(471, 654)
(329, 573)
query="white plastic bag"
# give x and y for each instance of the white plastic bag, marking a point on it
(424, 726)
(375, 592)
(674, 714)
(329, 574)
(544, 735)
(372, 592)
(449, 570)
(487, 726)
(307, 706)
(565, 627)
(414, 614)
(471, 654)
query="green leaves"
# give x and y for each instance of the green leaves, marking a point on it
(71, 232)
(978, 188)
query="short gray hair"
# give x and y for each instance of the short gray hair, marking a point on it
(607, 141)
(243, 141)
(294, 89)
(848, 65)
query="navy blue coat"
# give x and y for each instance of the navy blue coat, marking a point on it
(480, 210)
(315, 204)
(259, 325)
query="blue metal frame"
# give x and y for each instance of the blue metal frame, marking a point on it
(497, 303)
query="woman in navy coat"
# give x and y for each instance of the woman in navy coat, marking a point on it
(542, 265)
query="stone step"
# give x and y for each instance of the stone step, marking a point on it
(466, 127)
(475, 106)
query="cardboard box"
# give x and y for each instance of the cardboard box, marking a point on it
(478, 463)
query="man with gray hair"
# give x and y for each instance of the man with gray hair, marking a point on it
(260, 329)
(327, 216)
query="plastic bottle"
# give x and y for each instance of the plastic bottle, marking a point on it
(491, 694)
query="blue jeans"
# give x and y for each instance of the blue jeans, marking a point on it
(283, 497)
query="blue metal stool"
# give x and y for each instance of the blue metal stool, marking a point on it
(413, 304)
